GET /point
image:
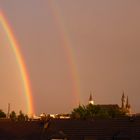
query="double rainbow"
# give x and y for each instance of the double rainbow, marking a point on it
(20, 61)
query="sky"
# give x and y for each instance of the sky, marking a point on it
(71, 48)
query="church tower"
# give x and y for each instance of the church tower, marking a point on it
(128, 107)
(123, 101)
(91, 100)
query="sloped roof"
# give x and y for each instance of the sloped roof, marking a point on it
(97, 128)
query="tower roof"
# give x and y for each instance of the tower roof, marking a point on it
(90, 97)
(127, 103)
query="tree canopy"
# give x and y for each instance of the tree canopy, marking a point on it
(2, 114)
(96, 111)
(13, 116)
(22, 117)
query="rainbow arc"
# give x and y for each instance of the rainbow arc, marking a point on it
(68, 48)
(20, 61)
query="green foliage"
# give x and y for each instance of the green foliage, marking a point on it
(96, 111)
(2, 114)
(13, 116)
(22, 117)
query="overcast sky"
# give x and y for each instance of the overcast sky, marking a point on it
(72, 47)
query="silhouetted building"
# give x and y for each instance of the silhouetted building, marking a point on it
(91, 101)
(126, 107)
(123, 101)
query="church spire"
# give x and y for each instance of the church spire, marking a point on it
(91, 99)
(127, 102)
(123, 100)
(128, 107)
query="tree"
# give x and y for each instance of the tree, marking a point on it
(13, 116)
(79, 112)
(97, 111)
(2, 114)
(21, 117)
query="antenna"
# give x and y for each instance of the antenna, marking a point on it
(8, 113)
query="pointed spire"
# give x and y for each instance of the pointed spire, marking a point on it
(90, 99)
(127, 102)
(128, 106)
(123, 100)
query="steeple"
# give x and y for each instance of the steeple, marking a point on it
(128, 107)
(127, 102)
(91, 100)
(123, 101)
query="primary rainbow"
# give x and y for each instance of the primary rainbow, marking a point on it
(20, 61)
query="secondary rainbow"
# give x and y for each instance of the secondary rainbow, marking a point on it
(68, 47)
(15, 47)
